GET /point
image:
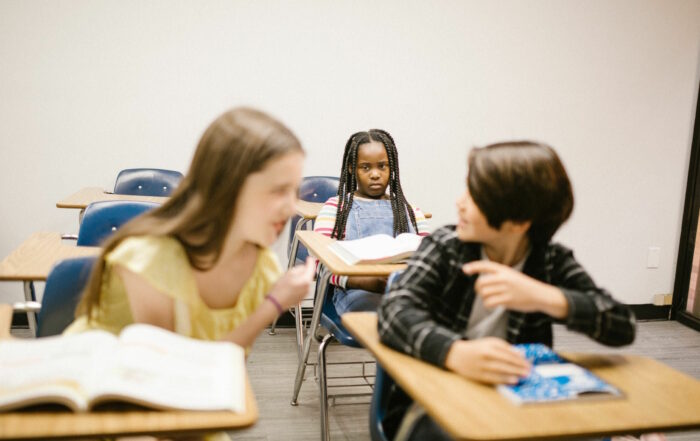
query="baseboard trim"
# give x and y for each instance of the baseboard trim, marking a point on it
(647, 311)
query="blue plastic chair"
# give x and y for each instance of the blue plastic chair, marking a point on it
(330, 320)
(147, 181)
(380, 402)
(63, 289)
(103, 218)
(312, 189)
(380, 397)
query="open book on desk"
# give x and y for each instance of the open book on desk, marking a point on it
(554, 378)
(378, 248)
(145, 365)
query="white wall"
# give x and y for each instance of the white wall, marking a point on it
(90, 87)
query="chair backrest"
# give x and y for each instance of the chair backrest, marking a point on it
(103, 218)
(382, 385)
(312, 189)
(147, 181)
(331, 321)
(64, 286)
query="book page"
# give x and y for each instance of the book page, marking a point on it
(409, 241)
(161, 369)
(49, 370)
(378, 248)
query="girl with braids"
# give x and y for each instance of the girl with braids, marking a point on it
(363, 207)
(200, 264)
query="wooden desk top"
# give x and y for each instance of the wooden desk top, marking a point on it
(35, 257)
(45, 425)
(308, 210)
(86, 196)
(317, 244)
(657, 398)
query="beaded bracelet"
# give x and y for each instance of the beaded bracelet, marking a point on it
(276, 303)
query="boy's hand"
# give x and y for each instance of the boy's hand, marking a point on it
(293, 286)
(488, 360)
(501, 285)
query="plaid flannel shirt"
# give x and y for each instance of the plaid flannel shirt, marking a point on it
(429, 304)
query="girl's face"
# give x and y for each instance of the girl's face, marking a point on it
(472, 225)
(268, 198)
(372, 170)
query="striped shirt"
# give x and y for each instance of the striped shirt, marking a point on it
(325, 221)
(428, 306)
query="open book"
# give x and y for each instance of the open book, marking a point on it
(145, 365)
(554, 379)
(378, 248)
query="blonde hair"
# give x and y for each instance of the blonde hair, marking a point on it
(200, 211)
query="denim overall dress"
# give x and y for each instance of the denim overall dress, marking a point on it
(366, 217)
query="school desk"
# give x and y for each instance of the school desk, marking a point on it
(45, 424)
(33, 260)
(656, 397)
(317, 244)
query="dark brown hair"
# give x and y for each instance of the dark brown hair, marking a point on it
(403, 213)
(521, 181)
(200, 211)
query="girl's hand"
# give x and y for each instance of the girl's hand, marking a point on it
(293, 286)
(501, 285)
(488, 360)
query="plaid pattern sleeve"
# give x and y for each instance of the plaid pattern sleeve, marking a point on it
(428, 306)
(410, 318)
(592, 310)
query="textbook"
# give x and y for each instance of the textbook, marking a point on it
(554, 378)
(145, 365)
(378, 248)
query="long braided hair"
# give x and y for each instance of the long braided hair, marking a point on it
(403, 212)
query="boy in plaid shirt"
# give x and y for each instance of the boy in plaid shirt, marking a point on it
(493, 280)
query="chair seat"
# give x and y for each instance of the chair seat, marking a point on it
(331, 321)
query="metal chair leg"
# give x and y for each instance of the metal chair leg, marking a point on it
(30, 296)
(321, 285)
(323, 387)
(299, 329)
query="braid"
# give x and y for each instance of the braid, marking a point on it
(348, 183)
(399, 206)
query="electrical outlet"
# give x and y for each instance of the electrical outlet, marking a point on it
(662, 299)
